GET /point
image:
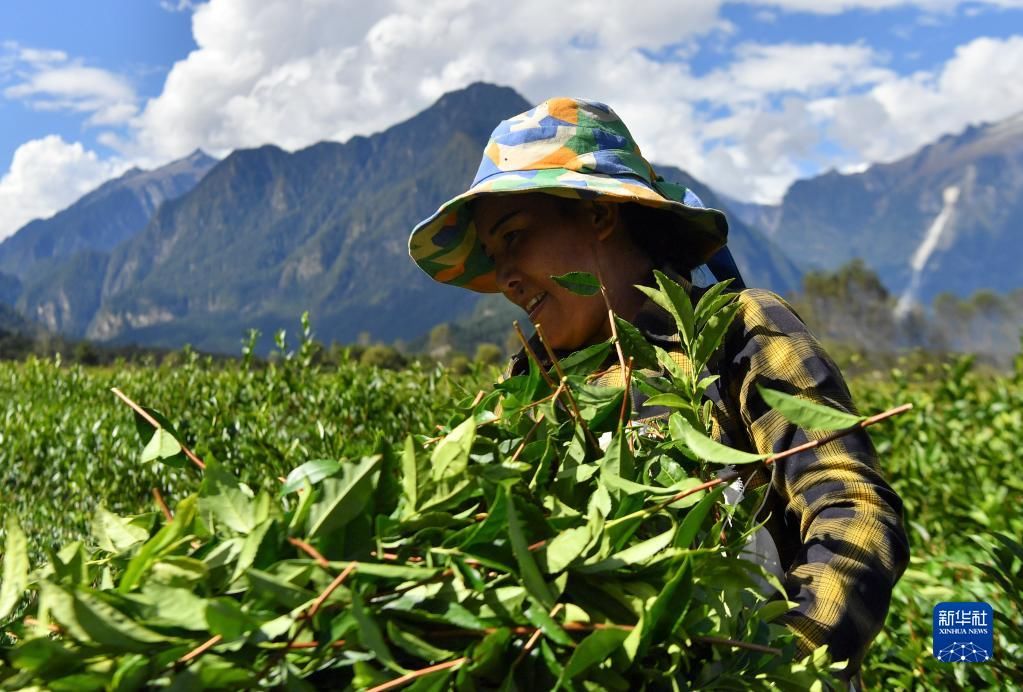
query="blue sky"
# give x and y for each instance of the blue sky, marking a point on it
(747, 96)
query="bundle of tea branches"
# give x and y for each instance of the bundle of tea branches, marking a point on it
(541, 540)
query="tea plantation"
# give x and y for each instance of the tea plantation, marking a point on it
(391, 568)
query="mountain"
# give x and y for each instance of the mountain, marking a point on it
(103, 218)
(945, 219)
(268, 234)
(761, 262)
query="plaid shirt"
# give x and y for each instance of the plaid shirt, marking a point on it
(836, 523)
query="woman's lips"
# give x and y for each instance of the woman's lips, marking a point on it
(536, 304)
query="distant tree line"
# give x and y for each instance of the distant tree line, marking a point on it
(854, 314)
(849, 309)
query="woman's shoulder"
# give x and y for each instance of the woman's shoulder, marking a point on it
(764, 308)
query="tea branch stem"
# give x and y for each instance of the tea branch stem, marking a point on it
(310, 551)
(409, 677)
(200, 650)
(158, 498)
(153, 422)
(532, 354)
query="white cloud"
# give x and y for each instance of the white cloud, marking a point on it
(840, 6)
(294, 73)
(289, 73)
(47, 175)
(978, 84)
(48, 80)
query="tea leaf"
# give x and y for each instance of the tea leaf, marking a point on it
(808, 414)
(705, 448)
(311, 472)
(344, 497)
(580, 283)
(15, 574)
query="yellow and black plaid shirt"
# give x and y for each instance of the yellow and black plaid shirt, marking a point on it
(836, 523)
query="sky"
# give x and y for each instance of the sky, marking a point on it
(746, 96)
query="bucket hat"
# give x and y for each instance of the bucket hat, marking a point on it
(567, 147)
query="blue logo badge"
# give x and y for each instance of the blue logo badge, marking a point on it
(963, 632)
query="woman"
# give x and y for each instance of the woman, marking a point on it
(563, 187)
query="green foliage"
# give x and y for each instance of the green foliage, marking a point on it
(456, 548)
(512, 546)
(581, 283)
(951, 461)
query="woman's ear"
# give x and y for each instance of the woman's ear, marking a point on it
(604, 216)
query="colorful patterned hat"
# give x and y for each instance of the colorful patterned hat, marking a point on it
(567, 147)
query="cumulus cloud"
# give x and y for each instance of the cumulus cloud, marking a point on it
(292, 74)
(840, 6)
(298, 73)
(47, 175)
(898, 115)
(49, 80)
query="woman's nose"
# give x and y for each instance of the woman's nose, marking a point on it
(508, 279)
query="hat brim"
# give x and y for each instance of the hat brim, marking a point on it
(446, 245)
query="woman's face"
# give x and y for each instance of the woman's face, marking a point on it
(530, 239)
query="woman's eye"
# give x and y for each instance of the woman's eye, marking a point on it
(510, 237)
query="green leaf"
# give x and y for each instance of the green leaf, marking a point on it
(343, 498)
(90, 620)
(598, 404)
(566, 547)
(712, 300)
(116, 534)
(580, 283)
(451, 455)
(705, 448)
(371, 636)
(775, 609)
(667, 400)
(635, 345)
(172, 606)
(632, 488)
(164, 447)
(633, 555)
(409, 474)
(276, 589)
(587, 360)
(416, 646)
(131, 673)
(712, 334)
(668, 605)
(15, 574)
(541, 619)
(694, 518)
(681, 305)
(226, 618)
(532, 579)
(171, 532)
(250, 548)
(808, 414)
(596, 648)
(226, 499)
(312, 472)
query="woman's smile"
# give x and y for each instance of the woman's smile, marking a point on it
(533, 306)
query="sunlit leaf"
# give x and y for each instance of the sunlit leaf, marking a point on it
(808, 414)
(581, 283)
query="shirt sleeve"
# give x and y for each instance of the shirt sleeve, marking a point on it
(852, 545)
